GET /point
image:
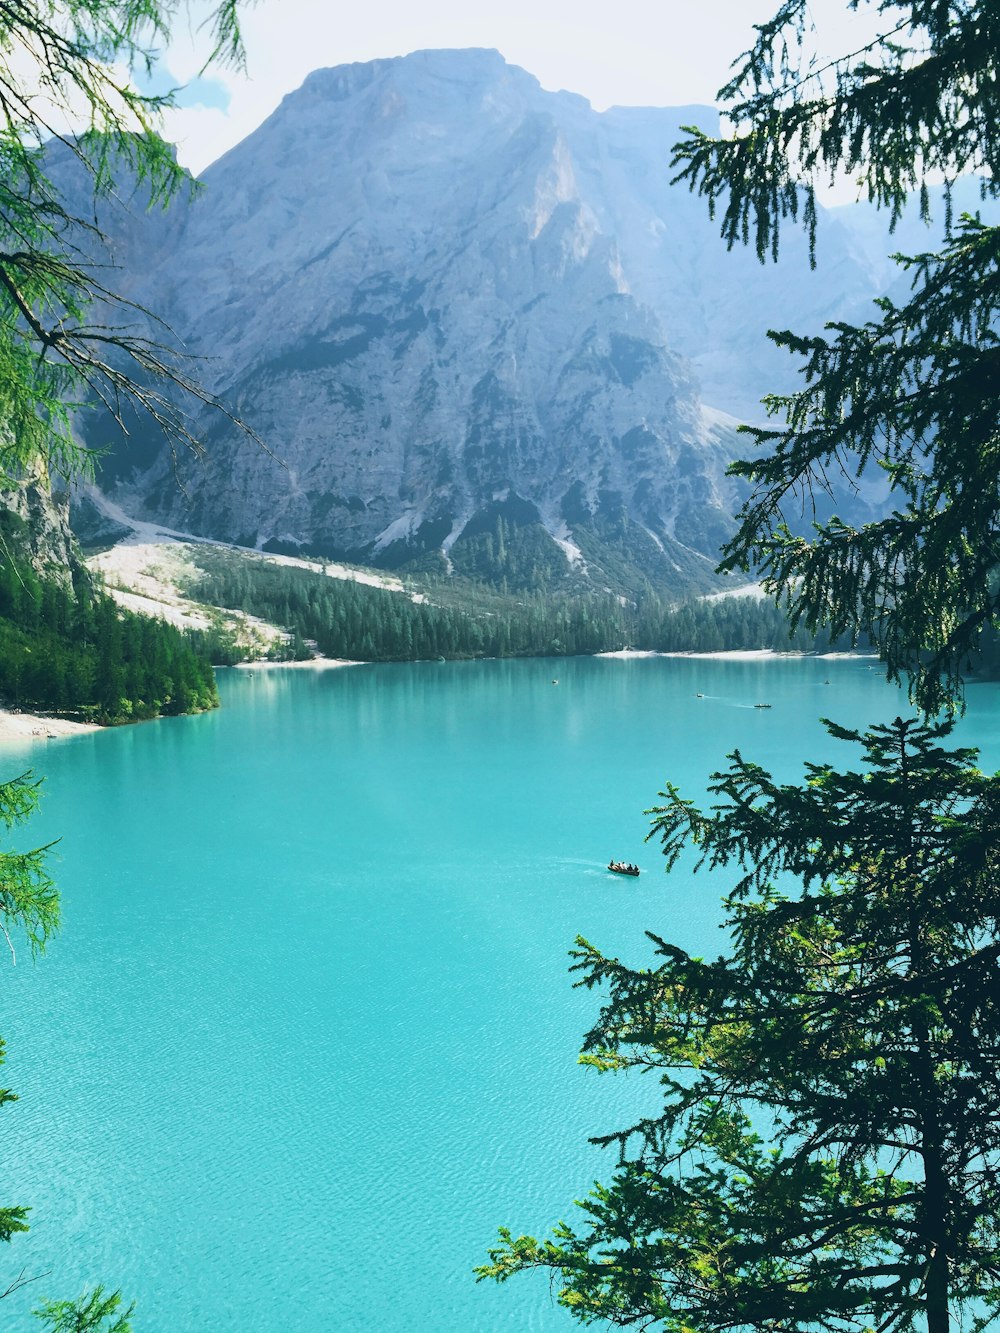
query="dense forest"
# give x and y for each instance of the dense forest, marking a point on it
(73, 650)
(455, 619)
(66, 647)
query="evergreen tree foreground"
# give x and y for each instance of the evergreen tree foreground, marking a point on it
(827, 1156)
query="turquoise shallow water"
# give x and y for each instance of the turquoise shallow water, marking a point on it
(307, 1036)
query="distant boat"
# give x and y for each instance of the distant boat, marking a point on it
(621, 868)
(762, 705)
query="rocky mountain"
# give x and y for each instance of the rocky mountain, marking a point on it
(474, 324)
(35, 528)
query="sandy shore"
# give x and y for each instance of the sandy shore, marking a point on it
(34, 727)
(741, 655)
(310, 664)
(732, 654)
(631, 652)
(738, 655)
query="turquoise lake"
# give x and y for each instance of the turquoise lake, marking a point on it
(307, 1036)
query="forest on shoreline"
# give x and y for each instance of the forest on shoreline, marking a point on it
(457, 619)
(66, 647)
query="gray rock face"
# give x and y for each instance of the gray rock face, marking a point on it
(448, 300)
(40, 532)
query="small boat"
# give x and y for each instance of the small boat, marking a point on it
(762, 705)
(622, 868)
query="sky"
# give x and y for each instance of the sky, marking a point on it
(625, 52)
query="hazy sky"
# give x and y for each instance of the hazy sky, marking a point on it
(632, 52)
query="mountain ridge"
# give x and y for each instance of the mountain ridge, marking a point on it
(459, 307)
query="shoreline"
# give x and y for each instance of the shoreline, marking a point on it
(17, 726)
(739, 654)
(622, 654)
(309, 663)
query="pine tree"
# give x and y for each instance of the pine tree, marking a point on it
(912, 391)
(52, 351)
(828, 1152)
(29, 906)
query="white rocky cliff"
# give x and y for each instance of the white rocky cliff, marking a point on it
(456, 306)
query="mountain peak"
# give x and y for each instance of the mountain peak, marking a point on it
(462, 67)
(457, 305)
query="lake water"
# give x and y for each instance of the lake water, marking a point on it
(307, 1036)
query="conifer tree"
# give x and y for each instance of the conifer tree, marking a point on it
(913, 391)
(828, 1152)
(61, 64)
(29, 907)
(96, 1311)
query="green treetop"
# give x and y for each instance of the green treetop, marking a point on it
(29, 907)
(61, 65)
(828, 1152)
(919, 100)
(913, 391)
(95, 1312)
(827, 1155)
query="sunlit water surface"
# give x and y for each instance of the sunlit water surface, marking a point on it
(307, 1036)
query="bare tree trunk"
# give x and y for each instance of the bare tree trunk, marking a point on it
(935, 1210)
(935, 1201)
